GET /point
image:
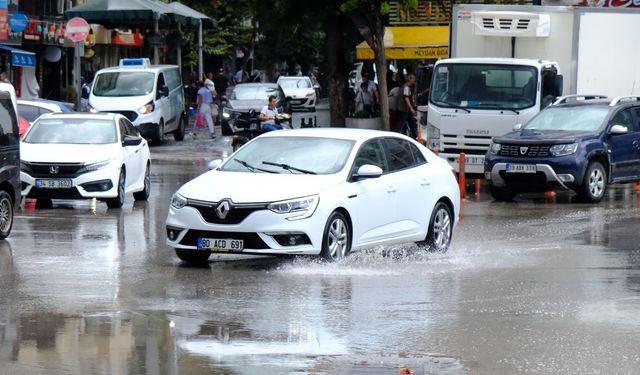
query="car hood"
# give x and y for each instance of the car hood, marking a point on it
(246, 105)
(118, 103)
(526, 136)
(298, 93)
(66, 153)
(247, 187)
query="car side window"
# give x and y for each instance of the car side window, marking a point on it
(8, 123)
(28, 112)
(624, 118)
(370, 153)
(159, 85)
(400, 154)
(123, 129)
(131, 130)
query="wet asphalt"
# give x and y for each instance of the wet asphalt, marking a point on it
(543, 285)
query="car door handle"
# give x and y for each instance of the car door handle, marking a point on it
(391, 189)
(425, 182)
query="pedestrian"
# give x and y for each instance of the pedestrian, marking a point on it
(395, 100)
(220, 83)
(205, 100)
(4, 77)
(239, 77)
(406, 109)
(364, 99)
(208, 82)
(371, 87)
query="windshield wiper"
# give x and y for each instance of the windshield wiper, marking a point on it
(287, 167)
(251, 167)
(500, 108)
(452, 105)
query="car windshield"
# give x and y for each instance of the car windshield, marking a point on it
(308, 155)
(578, 118)
(251, 92)
(299, 83)
(72, 131)
(484, 86)
(123, 84)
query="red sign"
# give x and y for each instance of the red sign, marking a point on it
(77, 29)
(611, 3)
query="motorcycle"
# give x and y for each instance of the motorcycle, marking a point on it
(247, 126)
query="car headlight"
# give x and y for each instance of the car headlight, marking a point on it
(566, 149)
(310, 94)
(178, 201)
(226, 113)
(495, 148)
(303, 207)
(94, 166)
(147, 108)
(433, 137)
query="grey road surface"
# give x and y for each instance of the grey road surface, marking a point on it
(540, 286)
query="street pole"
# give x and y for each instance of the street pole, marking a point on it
(156, 29)
(200, 67)
(77, 50)
(179, 50)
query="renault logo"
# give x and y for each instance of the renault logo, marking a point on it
(54, 169)
(523, 150)
(223, 208)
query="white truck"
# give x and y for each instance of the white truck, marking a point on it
(506, 66)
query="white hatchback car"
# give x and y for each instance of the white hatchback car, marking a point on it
(81, 156)
(316, 191)
(301, 91)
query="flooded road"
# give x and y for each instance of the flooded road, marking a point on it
(539, 286)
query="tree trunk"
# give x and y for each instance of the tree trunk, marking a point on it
(336, 69)
(381, 69)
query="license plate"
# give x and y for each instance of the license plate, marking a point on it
(473, 160)
(217, 244)
(521, 168)
(54, 184)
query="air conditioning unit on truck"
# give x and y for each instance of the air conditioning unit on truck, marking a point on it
(509, 62)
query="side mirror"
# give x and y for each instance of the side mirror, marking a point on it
(316, 86)
(214, 164)
(517, 127)
(131, 141)
(618, 130)
(557, 85)
(368, 171)
(164, 91)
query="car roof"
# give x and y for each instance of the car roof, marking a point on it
(292, 77)
(582, 100)
(338, 133)
(46, 103)
(81, 115)
(257, 84)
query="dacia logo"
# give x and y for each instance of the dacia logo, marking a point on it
(223, 208)
(523, 150)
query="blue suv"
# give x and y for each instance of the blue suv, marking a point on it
(581, 142)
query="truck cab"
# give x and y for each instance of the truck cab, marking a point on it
(473, 100)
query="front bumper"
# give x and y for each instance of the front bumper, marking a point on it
(101, 184)
(263, 231)
(303, 103)
(562, 172)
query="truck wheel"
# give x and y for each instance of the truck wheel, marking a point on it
(178, 134)
(158, 138)
(594, 183)
(501, 194)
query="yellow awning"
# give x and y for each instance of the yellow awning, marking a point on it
(410, 42)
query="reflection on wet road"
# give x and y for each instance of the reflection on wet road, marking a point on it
(528, 287)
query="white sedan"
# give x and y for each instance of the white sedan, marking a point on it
(301, 92)
(319, 191)
(82, 156)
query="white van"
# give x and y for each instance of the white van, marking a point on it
(150, 96)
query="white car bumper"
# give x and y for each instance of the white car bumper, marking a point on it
(102, 183)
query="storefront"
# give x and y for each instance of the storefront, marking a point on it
(20, 68)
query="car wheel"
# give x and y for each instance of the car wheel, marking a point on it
(143, 195)
(118, 201)
(501, 194)
(594, 184)
(193, 256)
(158, 138)
(6, 214)
(336, 241)
(178, 134)
(440, 229)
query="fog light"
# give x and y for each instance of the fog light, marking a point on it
(566, 177)
(291, 239)
(173, 233)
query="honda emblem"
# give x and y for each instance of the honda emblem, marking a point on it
(54, 169)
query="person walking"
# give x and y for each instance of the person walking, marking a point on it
(205, 100)
(220, 84)
(406, 112)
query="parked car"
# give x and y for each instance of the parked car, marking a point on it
(10, 158)
(581, 142)
(31, 109)
(82, 156)
(301, 91)
(247, 96)
(316, 191)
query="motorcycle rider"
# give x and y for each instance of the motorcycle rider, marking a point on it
(268, 115)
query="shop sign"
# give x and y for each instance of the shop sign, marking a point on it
(33, 32)
(612, 3)
(4, 20)
(23, 59)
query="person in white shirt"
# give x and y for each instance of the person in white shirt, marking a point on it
(268, 115)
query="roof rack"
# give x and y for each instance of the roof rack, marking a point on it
(630, 98)
(575, 98)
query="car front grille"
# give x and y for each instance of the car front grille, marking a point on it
(235, 215)
(53, 170)
(130, 115)
(524, 150)
(251, 240)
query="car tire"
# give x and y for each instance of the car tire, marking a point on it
(118, 201)
(440, 229)
(594, 183)
(143, 194)
(158, 138)
(178, 134)
(336, 240)
(6, 214)
(501, 194)
(193, 256)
